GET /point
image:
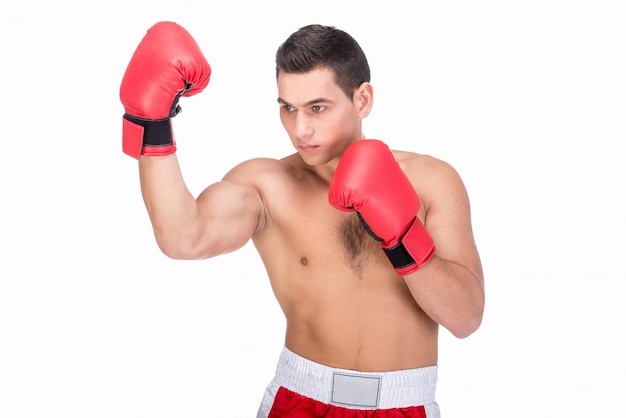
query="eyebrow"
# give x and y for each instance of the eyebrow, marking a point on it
(309, 103)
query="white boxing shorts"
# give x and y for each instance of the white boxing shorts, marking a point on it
(302, 388)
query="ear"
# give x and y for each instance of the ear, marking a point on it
(364, 99)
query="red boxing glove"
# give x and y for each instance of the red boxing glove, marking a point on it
(166, 65)
(369, 181)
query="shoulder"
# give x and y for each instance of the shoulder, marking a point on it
(253, 167)
(434, 179)
(418, 165)
(268, 175)
(280, 185)
(256, 170)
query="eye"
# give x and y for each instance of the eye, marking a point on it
(288, 108)
(318, 108)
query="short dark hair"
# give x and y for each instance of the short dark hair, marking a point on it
(318, 46)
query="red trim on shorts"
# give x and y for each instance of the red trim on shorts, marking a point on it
(288, 404)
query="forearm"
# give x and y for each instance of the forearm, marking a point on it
(450, 294)
(172, 209)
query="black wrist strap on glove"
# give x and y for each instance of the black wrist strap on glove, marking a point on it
(156, 133)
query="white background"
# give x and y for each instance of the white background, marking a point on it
(527, 99)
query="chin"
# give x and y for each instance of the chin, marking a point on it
(312, 160)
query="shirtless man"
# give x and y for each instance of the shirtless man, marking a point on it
(368, 250)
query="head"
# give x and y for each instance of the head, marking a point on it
(317, 46)
(324, 91)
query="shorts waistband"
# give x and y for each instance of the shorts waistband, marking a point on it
(355, 389)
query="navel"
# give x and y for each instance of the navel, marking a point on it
(304, 261)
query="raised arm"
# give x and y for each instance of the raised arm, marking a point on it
(166, 66)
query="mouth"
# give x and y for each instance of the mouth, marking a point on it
(307, 147)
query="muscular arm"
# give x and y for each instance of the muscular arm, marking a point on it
(449, 288)
(166, 66)
(221, 219)
(435, 254)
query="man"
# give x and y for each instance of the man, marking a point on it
(368, 250)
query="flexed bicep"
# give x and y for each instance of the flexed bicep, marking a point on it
(231, 213)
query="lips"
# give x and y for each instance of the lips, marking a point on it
(308, 147)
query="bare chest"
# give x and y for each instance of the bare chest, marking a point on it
(308, 237)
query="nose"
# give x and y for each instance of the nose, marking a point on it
(303, 127)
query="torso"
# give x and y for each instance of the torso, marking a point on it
(344, 305)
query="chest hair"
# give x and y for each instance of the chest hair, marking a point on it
(359, 246)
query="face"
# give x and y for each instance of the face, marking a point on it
(319, 118)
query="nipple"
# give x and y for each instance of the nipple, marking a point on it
(304, 261)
